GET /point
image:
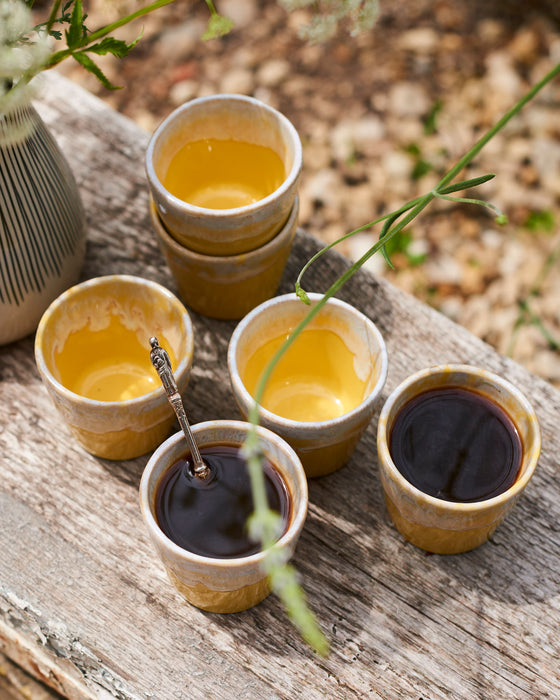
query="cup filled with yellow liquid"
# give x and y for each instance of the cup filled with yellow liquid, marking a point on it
(93, 354)
(223, 172)
(227, 286)
(323, 392)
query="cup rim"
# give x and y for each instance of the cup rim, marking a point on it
(163, 541)
(264, 250)
(471, 508)
(158, 392)
(287, 183)
(291, 426)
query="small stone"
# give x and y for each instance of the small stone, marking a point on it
(490, 30)
(351, 137)
(525, 45)
(237, 81)
(547, 365)
(183, 91)
(491, 239)
(359, 205)
(325, 187)
(273, 72)
(241, 12)
(501, 75)
(546, 157)
(180, 40)
(444, 270)
(408, 100)
(359, 245)
(146, 120)
(422, 40)
(316, 156)
(475, 317)
(397, 166)
(452, 307)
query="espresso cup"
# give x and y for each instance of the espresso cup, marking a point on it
(332, 396)
(203, 128)
(223, 585)
(93, 354)
(436, 523)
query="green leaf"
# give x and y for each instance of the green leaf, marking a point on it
(116, 47)
(217, 26)
(430, 126)
(384, 233)
(501, 219)
(540, 221)
(90, 66)
(421, 168)
(413, 149)
(75, 33)
(466, 184)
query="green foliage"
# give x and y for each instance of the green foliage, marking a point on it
(526, 315)
(421, 166)
(394, 224)
(402, 243)
(540, 221)
(27, 51)
(80, 41)
(217, 24)
(359, 15)
(430, 122)
(265, 527)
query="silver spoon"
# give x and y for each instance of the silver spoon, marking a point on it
(160, 360)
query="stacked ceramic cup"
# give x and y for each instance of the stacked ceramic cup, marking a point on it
(223, 174)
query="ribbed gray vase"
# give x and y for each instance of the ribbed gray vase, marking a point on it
(42, 223)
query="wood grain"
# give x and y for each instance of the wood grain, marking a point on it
(84, 602)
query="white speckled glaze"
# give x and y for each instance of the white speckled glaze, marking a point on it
(116, 429)
(222, 585)
(227, 287)
(224, 231)
(445, 527)
(323, 446)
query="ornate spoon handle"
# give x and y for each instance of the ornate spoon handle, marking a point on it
(160, 360)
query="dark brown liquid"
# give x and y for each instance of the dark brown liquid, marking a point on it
(455, 444)
(209, 517)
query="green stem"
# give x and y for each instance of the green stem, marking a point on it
(59, 56)
(468, 200)
(411, 210)
(53, 15)
(404, 208)
(479, 145)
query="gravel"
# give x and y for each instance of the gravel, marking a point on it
(382, 116)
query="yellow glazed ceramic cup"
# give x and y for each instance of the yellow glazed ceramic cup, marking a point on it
(323, 446)
(126, 428)
(433, 524)
(224, 231)
(222, 585)
(227, 287)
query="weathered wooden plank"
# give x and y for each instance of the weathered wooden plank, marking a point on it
(84, 602)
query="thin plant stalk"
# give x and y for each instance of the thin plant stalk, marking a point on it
(59, 56)
(302, 618)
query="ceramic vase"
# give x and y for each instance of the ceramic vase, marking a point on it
(42, 223)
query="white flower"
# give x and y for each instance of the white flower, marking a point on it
(23, 53)
(361, 14)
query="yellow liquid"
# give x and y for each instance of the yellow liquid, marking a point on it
(109, 364)
(314, 380)
(223, 173)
